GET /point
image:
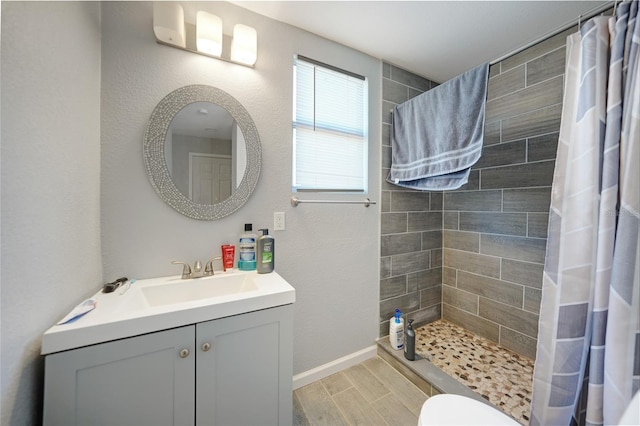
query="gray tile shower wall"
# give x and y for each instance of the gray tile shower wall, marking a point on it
(495, 228)
(475, 256)
(411, 224)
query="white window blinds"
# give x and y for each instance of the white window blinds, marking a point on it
(329, 129)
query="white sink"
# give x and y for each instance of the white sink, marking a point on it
(198, 289)
(161, 303)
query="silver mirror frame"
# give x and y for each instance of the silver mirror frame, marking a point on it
(156, 165)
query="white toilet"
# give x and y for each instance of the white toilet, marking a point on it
(449, 409)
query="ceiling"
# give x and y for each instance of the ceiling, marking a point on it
(435, 39)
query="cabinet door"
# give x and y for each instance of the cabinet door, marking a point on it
(245, 377)
(136, 381)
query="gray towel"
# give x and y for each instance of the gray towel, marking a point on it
(437, 136)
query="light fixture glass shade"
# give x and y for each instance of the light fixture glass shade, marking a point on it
(244, 47)
(208, 33)
(168, 23)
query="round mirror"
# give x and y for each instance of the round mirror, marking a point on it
(202, 152)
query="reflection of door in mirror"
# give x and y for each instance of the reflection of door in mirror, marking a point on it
(210, 178)
(205, 153)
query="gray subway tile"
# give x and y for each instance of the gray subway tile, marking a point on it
(386, 70)
(393, 287)
(472, 262)
(394, 91)
(424, 221)
(491, 133)
(532, 298)
(536, 122)
(543, 94)
(494, 289)
(436, 201)
(503, 154)
(406, 303)
(431, 296)
(410, 79)
(494, 70)
(546, 66)
(506, 82)
(393, 223)
(436, 258)
(527, 200)
(518, 342)
(542, 147)
(429, 278)
(411, 262)
(385, 267)
(400, 243)
(467, 241)
(386, 158)
(494, 223)
(409, 201)
(537, 50)
(449, 276)
(473, 201)
(412, 281)
(516, 319)
(518, 176)
(385, 201)
(426, 315)
(460, 299)
(431, 240)
(537, 225)
(519, 248)
(385, 137)
(473, 183)
(450, 220)
(529, 274)
(471, 322)
(387, 106)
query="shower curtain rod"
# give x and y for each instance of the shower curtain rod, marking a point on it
(590, 14)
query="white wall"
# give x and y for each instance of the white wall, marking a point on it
(50, 184)
(329, 253)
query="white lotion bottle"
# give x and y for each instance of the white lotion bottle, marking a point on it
(396, 331)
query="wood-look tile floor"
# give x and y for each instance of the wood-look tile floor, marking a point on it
(369, 393)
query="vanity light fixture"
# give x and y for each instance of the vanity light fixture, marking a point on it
(205, 37)
(208, 33)
(244, 45)
(168, 23)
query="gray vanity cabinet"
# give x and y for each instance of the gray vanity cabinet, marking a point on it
(136, 381)
(230, 371)
(245, 378)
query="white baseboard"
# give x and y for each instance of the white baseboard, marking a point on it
(334, 366)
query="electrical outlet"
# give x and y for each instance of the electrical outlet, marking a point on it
(278, 221)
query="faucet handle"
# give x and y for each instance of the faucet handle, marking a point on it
(186, 269)
(208, 269)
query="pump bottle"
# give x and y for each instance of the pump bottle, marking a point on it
(265, 252)
(396, 330)
(410, 342)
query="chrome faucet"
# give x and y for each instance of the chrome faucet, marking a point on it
(208, 269)
(197, 271)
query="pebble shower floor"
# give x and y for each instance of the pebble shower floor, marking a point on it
(503, 377)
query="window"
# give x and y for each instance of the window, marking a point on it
(329, 129)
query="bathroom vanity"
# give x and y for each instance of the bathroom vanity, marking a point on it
(221, 359)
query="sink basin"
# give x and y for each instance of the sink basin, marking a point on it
(198, 289)
(156, 304)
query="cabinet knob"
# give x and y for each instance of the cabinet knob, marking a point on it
(206, 347)
(184, 353)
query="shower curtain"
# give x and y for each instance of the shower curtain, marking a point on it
(588, 360)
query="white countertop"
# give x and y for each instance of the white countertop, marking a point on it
(118, 316)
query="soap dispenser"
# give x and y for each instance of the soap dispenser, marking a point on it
(265, 252)
(410, 342)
